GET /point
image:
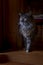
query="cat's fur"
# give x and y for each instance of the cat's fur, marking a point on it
(26, 28)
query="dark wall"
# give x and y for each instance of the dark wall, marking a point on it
(8, 22)
(0, 23)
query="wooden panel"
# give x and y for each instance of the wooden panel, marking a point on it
(23, 58)
(12, 32)
(0, 23)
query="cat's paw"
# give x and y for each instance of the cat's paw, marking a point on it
(27, 51)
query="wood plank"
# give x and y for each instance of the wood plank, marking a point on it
(23, 58)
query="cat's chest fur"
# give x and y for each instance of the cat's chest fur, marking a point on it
(25, 25)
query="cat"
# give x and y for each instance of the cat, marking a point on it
(26, 28)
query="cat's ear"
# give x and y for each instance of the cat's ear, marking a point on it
(20, 14)
(29, 13)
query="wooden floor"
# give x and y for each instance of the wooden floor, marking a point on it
(22, 58)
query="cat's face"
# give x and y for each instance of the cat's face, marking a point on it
(24, 17)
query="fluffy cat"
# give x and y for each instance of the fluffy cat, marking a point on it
(26, 28)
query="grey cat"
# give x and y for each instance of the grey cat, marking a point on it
(26, 28)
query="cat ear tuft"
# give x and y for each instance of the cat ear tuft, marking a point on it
(19, 14)
(29, 13)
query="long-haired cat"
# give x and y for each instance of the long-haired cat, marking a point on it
(26, 28)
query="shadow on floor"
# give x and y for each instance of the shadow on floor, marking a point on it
(4, 58)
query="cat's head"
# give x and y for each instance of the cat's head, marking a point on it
(24, 16)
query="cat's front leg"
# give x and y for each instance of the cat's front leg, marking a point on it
(28, 43)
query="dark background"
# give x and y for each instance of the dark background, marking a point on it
(10, 39)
